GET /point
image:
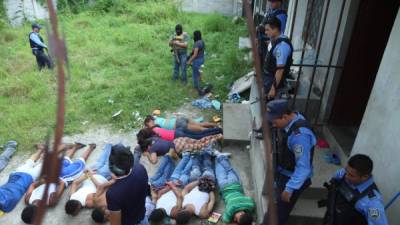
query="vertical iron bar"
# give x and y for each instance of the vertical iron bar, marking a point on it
(302, 52)
(272, 211)
(51, 163)
(293, 19)
(317, 56)
(330, 59)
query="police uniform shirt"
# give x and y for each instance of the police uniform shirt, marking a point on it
(281, 52)
(371, 208)
(301, 144)
(35, 38)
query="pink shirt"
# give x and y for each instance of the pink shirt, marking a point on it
(167, 135)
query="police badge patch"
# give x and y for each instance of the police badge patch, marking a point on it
(373, 213)
(298, 150)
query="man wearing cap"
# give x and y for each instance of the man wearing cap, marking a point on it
(277, 11)
(179, 44)
(277, 61)
(37, 46)
(294, 158)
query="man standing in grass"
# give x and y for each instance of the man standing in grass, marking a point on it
(37, 46)
(179, 44)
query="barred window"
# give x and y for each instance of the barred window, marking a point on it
(316, 16)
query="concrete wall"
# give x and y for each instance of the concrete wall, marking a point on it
(379, 132)
(225, 7)
(349, 15)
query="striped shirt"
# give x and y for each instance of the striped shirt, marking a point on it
(235, 201)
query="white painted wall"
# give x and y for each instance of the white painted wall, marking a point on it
(225, 7)
(379, 132)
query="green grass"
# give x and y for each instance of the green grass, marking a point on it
(121, 54)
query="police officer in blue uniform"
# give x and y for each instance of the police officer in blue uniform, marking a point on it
(354, 198)
(277, 11)
(277, 61)
(294, 156)
(37, 46)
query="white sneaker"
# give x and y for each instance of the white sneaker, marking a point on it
(218, 154)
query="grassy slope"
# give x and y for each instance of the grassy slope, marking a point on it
(120, 55)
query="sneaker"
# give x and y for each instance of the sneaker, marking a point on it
(12, 144)
(218, 153)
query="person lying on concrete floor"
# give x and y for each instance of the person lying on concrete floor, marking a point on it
(198, 200)
(192, 145)
(238, 207)
(5, 156)
(170, 135)
(155, 146)
(174, 123)
(90, 185)
(69, 172)
(168, 201)
(20, 180)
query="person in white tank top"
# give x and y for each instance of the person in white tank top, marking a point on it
(168, 202)
(198, 200)
(68, 172)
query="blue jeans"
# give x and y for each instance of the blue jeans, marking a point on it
(196, 64)
(101, 165)
(202, 166)
(164, 172)
(197, 134)
(182, 57)
(5, 157)
(225, 173)
(182, 171)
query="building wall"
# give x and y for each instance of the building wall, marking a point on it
(225, 7)
(343, 39)
(378, 135)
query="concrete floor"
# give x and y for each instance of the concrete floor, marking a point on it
(56, 216)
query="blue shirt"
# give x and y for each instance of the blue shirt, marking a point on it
(160, 146)
(371, 208)
(128, 196)
(300, 144)
(12, 191)
(35, 38)
(282, 52)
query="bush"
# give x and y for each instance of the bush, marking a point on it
(217, 23)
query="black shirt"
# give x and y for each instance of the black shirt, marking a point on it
(128, 196)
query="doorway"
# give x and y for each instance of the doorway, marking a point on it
(371, 32)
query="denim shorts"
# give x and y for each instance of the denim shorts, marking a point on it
(181, 122)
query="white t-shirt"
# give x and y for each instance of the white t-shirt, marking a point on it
(37, 193)
(167, 201)
(87, 188)
(196, 198)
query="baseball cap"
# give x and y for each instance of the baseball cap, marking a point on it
(276, 108)
(35, 25)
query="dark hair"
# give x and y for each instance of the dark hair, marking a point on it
(145, 144)
(148, 119)
(206, 184)
(72, 207)
(274, 23)
(246, 219)
(145, 133)
(362, 164)
(178, 27)
(28, 214)
(98, 215)
(196, 35)
(121, 162)
(157, 215)
(183, 217)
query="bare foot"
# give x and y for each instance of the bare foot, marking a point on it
(40, 147)
(92, 146)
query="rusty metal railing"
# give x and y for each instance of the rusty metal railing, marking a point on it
(52, 161)
(272, 210)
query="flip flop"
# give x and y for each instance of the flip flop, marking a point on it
(93, 144)
(80, 145)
